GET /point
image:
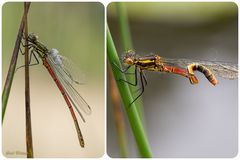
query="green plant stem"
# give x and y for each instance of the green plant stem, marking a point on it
(12, 67)
(127, 45)
(132, 114)
(124, 26)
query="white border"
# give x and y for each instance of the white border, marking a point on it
(105, 3)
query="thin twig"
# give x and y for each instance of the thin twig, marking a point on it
(27, 92)
(12, 67)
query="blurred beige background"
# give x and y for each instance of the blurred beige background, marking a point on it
(183, 120)
(77, 31)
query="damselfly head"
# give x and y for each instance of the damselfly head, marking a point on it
(32, 37)
(129, 57)
(130, 53)
(128, 61)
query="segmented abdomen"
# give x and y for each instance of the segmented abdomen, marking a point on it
(208, 74)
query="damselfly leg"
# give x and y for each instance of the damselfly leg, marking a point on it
(30, 56)
(142, 79)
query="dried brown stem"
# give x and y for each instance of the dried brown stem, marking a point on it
(12, 67)
(27, 91)
(118, 115)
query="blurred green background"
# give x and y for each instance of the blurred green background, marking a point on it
(77, 31)
(182, 120)
(184, 12)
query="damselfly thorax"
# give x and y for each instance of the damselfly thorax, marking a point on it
(41, 49)
(149, 63)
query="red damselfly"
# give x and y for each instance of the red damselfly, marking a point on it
(183, 67)
(60, 68)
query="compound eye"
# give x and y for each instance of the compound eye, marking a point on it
(130, 53)
(32, 37)
(128, 61)
(36, 37)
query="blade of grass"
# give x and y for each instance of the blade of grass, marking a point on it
(27, 92)
(132, 113)
(118, 115)
(124, 26)
(127, 45)
(12, 67)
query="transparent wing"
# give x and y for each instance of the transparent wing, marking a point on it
(221, 69)
(75, 98)
(72, 71)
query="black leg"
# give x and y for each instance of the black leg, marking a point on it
(37, 61)
(23, 45)
(142, 87)
(29, 45)
(30, 60)
(136, 79)
(122, 70)
(21, 51)
(142, 78)
(145, 79)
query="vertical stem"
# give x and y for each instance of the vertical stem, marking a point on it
(124, 26)
(127, 45)
(12, 67)
(132, 113)
(27, 92)
(118, 115)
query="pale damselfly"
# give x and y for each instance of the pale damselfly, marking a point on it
(59, 68)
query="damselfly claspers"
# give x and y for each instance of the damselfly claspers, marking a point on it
(183, 67)
(59, 68)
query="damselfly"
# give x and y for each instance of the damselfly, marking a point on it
(59, 68)
(183, 67)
